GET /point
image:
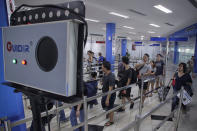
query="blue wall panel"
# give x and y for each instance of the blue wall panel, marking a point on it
(11, 104)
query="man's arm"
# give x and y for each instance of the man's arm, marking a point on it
(137, 66)
(109, 95)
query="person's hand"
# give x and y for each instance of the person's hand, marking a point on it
(77, 113)
(29, 107)
(107, 102)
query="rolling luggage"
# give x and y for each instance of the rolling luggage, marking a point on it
(163, 91)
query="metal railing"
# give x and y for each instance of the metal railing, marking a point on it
(85, 100)
(140, 118)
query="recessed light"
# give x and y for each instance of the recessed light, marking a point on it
(162, 8)
(120, 15)
(132, 33)
(154, 25)
(128, 27)
(92, 20)
(151, 32)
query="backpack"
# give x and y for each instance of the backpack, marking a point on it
(134, 76)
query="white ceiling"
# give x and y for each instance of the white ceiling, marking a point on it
(184, 14)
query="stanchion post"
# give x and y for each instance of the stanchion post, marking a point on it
(86, 113)
(57, 115)
(141, 96)
(7, 125)
(137, 127)
(179, 110)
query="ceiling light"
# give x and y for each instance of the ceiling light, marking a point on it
(129, 38)
(154, 25)
(132, 33)
(92, 20)
(151, 32)
(120, 15)
(162, 8)
(128, 27)
(142, 36)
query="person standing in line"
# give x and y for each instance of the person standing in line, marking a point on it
(144, 71)
(181, 78)
(126, 81)
(108, 82)
(191, 66)
(160, 71)
(152, 76)
(100, 61)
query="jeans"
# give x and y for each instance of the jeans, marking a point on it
(73, 119)
(62, 114)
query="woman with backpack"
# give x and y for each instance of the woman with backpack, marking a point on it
(126, 81)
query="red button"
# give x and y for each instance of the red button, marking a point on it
(24, 62)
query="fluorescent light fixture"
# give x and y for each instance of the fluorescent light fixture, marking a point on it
(154, 25)
(151, 32)
(142, 36)
(120, 15)
(129, 38)
(92, 20)
(158, 36)
(128, 27)
(162, 8)
(132, 33)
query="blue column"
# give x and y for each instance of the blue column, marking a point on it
(123, 47)
(110, 33)
(11, 104)
(195, 55)
(176, 53)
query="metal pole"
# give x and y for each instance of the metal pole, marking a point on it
(7, 125)
(137, 127)
(57, 115)
(86, 113)
(141, 96)
(179, 110)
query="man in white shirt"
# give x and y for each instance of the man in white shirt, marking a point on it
(144, 71)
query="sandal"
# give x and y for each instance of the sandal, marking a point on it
(109, 123)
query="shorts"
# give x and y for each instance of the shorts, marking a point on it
(145, 86)
(160, 78)
(128, 93)
(111, 102)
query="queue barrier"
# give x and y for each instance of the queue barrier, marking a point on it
(135, 124)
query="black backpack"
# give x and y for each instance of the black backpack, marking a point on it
(134, 76)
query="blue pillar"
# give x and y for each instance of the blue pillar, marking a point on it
(110, 34)
(176, 53)
(123, 47)
(11, 104)
(195, 55)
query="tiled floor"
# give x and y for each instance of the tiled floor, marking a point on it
(187, 123)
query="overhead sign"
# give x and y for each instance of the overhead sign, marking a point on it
(100, 42)
(178, 39)
(158, 39)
